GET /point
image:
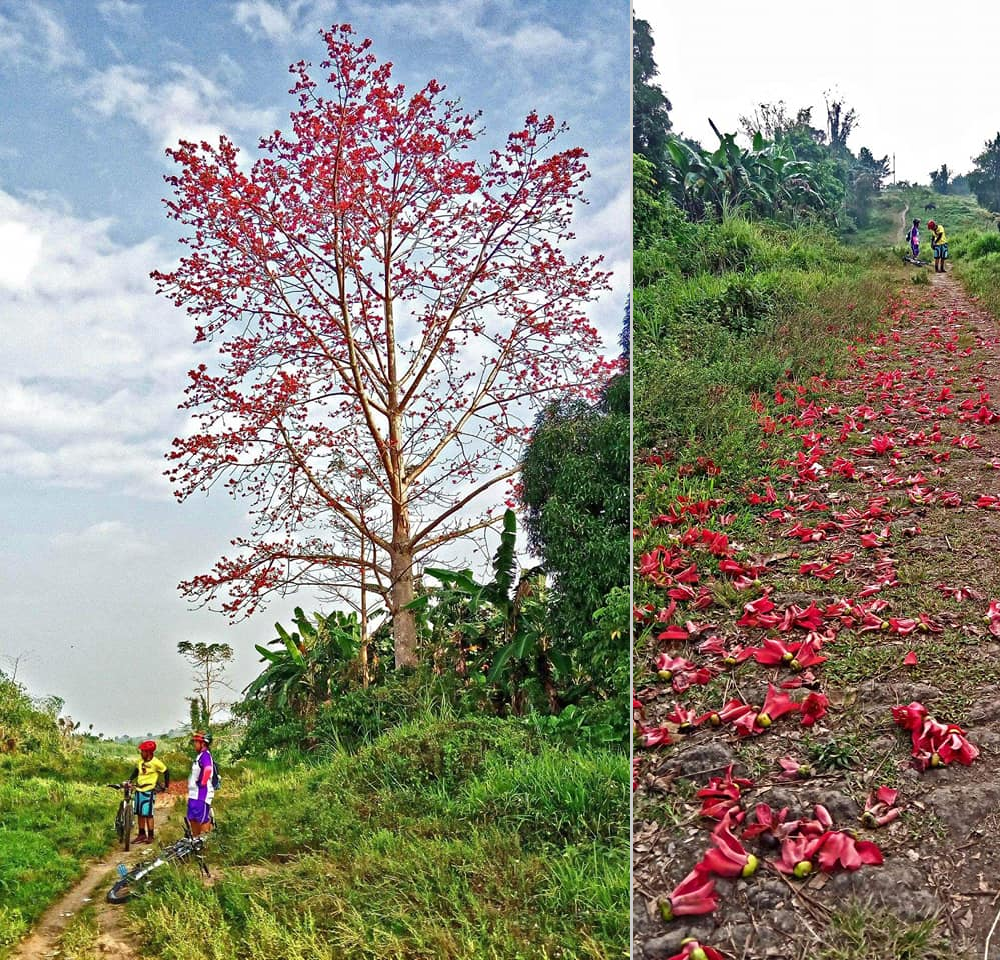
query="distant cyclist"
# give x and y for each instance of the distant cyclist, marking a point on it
(939, 241)
(146, 776)
(200, 789)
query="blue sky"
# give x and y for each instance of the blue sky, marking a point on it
(93, 363)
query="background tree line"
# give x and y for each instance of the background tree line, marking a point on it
(791, 170)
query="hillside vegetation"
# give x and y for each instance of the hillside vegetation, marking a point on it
(443, 838)
(54, 811)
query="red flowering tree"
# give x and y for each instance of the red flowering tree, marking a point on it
(389, 314)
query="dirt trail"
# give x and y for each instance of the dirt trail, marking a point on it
(113, 941)
(931, 384)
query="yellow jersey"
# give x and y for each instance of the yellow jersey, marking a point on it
(939, 235)
(149, 773)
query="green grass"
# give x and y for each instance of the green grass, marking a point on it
(723, 312)
(975, 258)
(55, 814)
(78, 941)
(861, 933)
(442, 839)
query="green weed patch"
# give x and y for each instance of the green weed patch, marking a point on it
(465, 839)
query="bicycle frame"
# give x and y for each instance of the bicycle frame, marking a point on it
(125, 813)
(131, 881)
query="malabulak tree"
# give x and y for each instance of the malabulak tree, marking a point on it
(389, 314)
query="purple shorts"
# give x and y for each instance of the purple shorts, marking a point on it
(199, 811)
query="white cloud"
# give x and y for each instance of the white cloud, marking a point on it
(49, 412)
(107, 536)
(267, 18)
(133, 469)
(120, 13)
(186, 105)
(31, 34)
(94, 363)
(283, 22)
(468, 20)
(19, 251)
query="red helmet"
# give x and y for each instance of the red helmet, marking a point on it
(198, 735)
(147, 745)
(931, 224)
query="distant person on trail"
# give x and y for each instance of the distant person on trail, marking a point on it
(915, 239)
(146, 777)
(939, 241)
(200, 789)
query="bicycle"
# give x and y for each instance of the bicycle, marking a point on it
(133, 882)
(125, 815)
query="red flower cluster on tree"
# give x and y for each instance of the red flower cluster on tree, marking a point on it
(387, 313)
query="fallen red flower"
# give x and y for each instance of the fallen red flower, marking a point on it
(694, 950)
(683, 717)
(694, 895)
(840, 849)
(960, 593)
(797, 853)
(813, 708)
(667, 666)
(722, 794)
(880, 807)
(792, 769)
(728, 857)
(654, 736)
(935, 744)
(767, 821)
(673, 633)
(776, 704)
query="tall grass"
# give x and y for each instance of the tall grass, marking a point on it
(726, 311)
(975, 258)
(465, 839)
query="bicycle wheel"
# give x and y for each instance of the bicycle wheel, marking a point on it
(129, 814)
(135, 880)
(120, 823)
(121, 891)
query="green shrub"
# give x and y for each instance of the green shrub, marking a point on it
(440, 751)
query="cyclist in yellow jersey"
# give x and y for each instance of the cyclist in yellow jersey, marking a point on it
(146, 776)
(939, 241)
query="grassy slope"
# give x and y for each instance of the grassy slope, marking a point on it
(55, 814)
(443, 839)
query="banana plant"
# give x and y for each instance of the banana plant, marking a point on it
(506, 620)
(765, 177)
(301, 673)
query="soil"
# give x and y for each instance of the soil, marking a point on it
(113, 941)
(942, 856)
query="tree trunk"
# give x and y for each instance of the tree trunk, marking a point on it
(404, 624)
(363, 647)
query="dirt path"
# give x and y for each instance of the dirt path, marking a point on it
(903, 524)
(113, 941)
